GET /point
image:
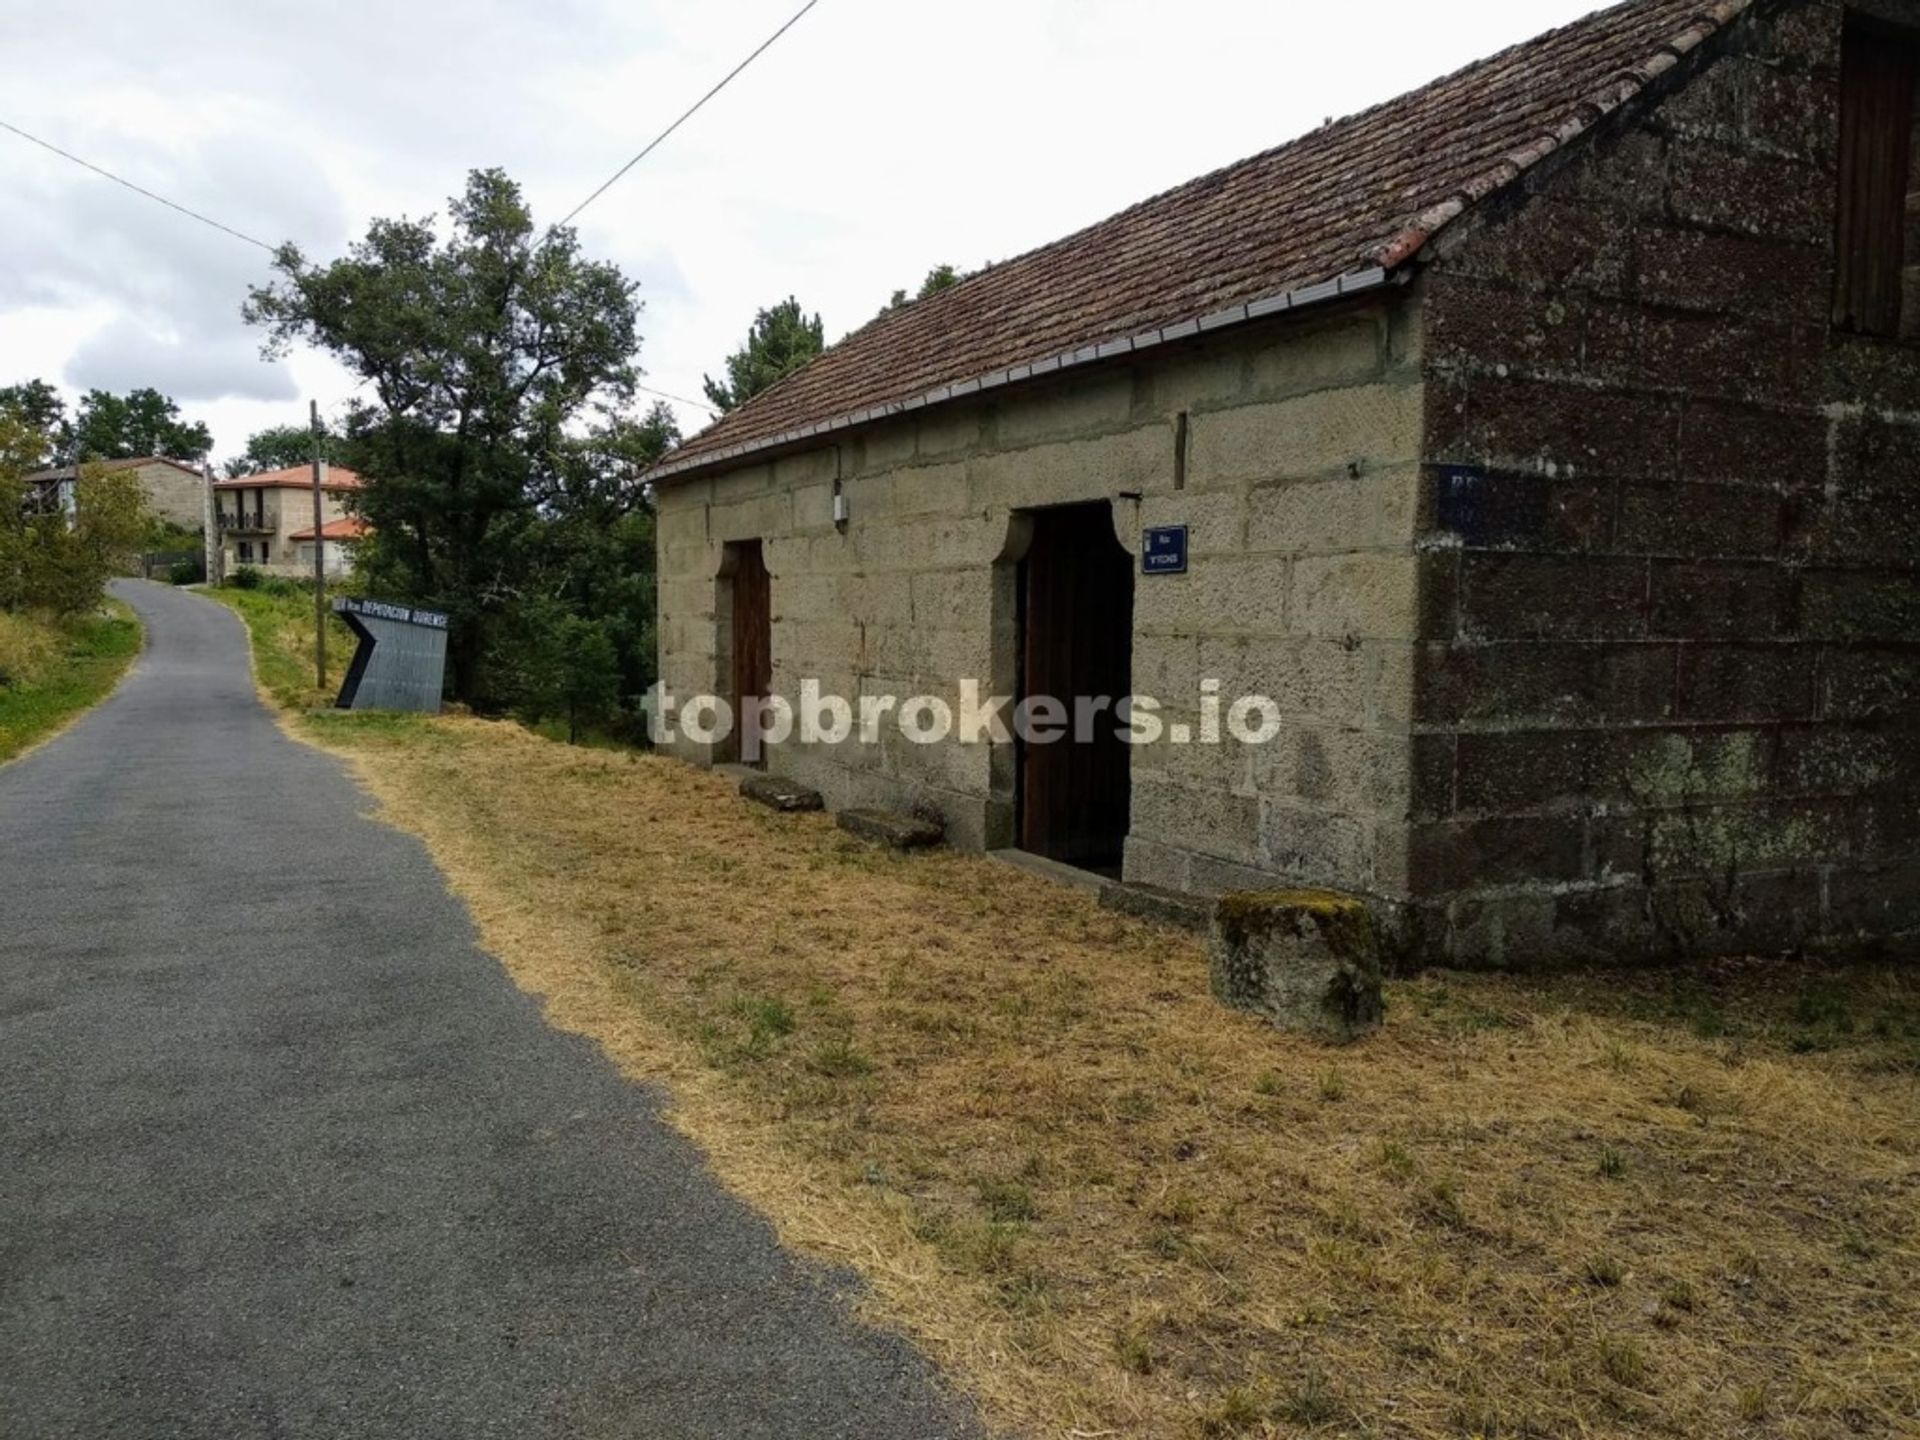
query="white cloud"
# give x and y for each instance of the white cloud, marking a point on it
(123, 356)
(876, 140)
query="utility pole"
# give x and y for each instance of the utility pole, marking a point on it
(210, 525)
(319, 559)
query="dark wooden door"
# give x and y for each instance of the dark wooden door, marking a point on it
(1878, 81)
(752, 643)
(1077, 643)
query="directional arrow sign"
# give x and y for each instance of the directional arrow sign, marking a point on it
(401, 661)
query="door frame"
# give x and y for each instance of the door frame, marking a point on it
(728, 619)
(1101, 515)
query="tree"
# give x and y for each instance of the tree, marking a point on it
(23, 446)
(141, 422)
(941, 277)
(39, 412)
(780, 341)
(283, 447)
(53, 561)
(570, 669)
(591, 555)
(499, 364)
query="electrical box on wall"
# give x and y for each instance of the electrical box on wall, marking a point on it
(839, 508)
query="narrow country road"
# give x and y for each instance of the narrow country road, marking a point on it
(282, 1154)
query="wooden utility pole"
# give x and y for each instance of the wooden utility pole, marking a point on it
(319, 559)
(210, 525)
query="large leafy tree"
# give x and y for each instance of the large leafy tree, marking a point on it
(500, 363)
(283, 447)
(780, 341)
(39, 415)
(141, 422)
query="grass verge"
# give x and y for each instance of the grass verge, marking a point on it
(1622, 1205)
(53, 670)
(279, 619)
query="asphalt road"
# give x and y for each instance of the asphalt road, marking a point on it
(283, 1154)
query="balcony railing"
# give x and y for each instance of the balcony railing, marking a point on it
(243, 521)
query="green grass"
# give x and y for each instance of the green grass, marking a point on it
(75, 665)
(279, 620)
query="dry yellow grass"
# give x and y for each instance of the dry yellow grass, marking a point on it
(1109, 1208)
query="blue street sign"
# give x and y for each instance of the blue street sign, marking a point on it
(1163, 550)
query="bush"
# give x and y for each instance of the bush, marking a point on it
(245, 577)
(558, 666)
(186, 572)
(58, 562)
(27, 646)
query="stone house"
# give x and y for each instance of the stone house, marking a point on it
(1547, 443)
(173, 488)
(266, 520)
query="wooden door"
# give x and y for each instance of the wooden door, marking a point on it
(1075, 798)
(752, 644)
(1879, 78)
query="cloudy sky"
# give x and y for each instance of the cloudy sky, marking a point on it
(879, 138)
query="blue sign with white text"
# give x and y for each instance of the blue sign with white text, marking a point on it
(1163, 550)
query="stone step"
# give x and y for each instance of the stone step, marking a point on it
(778, 793)
(902, 832)
(1153, 902)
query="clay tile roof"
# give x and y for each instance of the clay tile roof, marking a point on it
(348, 527)
(1336, 209)
(300, 477)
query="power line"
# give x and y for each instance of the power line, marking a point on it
(678, 399)
(605, 186)
(689, 113)
(137, 189)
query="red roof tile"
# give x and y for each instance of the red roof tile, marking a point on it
(1352, 199)
(348, 527)
(300, 477)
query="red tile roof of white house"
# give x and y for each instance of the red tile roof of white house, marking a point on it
(348, 527)
(300, 477)
(1339, 210)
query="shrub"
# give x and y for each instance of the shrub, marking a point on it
(245, 577)
(186, 572)
(26, 647)
(60, 562)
